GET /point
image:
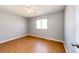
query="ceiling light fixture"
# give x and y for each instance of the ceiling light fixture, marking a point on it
(29, 9)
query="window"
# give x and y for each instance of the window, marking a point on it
(38, 24)
(41, 24)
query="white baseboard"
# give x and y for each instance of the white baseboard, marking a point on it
(47, 38)
(34, 36)
(65, 48)
(12, 39)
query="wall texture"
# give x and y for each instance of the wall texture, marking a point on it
(12, 26)
(70, 27)
(55, 26)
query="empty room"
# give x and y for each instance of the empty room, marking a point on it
(39, 29)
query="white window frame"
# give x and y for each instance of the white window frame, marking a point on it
(41, 24)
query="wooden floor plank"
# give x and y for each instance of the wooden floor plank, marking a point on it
(30, 44)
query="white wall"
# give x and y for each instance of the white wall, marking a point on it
(55, 26)
(12, 26)
(70, 27)
(77, 26)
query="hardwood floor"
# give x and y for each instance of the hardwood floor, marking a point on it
(31, 44)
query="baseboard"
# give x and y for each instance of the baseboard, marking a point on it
(35, 36)
(47, 38)
(12, 39)
(30, 35)
(65, 48)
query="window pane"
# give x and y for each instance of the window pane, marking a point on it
(38, 24)
(44, 23)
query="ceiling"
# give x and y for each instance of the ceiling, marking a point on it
(39, 9)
